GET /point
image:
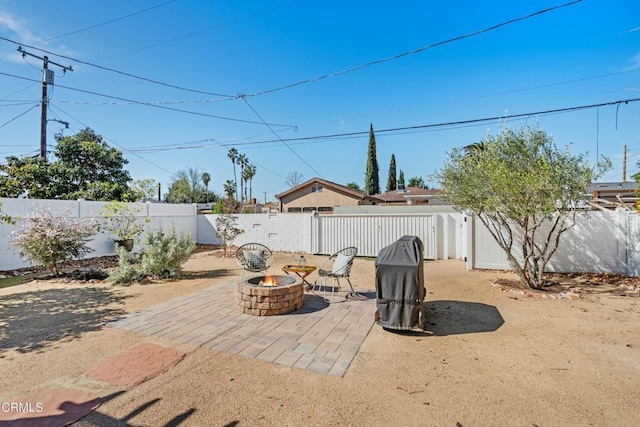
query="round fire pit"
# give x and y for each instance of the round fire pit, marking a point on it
(270, 295)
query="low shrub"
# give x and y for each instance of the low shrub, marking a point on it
(48, 240)
(128, 270)
(165, 253)
(162, 258)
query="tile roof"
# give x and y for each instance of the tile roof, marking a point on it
(401, 196)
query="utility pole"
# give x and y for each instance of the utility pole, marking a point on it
(47, 78)
(624, 164)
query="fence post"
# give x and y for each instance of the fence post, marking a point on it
(469, 236)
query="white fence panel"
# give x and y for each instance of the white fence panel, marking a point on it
(370, 233)
(286, 232)
(181, 217)
(633, 244)
(597, 243)
(326, 234)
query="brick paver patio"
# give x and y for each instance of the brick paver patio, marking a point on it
(321, 337)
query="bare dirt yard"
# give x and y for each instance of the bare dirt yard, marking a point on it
(493, 354)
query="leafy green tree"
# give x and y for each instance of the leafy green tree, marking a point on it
(87, 168)
(144, 189)
(26, 177)
(218, 207)
(417, 181)
(187, 187)
(371, 178)
(392, 180)
(4, 217)
(354, 186)
(524, 190)
(401, 178)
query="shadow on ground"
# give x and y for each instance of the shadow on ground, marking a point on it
(31, 321)
(208, 274)
(96, 418)
(460, 317)
(455, 318)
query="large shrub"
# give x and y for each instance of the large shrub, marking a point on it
(49, 240)
(128, 271)
(165, 253)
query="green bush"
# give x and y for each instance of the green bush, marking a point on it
(165, 253)
(128, 270)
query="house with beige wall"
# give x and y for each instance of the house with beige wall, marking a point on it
(323, 196)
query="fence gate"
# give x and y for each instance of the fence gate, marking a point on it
(370, 233)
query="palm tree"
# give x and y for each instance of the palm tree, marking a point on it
(229, 189)
(242, 162)
(246, 176)
(233, 156)
(251, 172)
(205, 180)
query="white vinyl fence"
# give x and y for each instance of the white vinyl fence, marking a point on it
(441, 233)
(599, 242)
(181, 217)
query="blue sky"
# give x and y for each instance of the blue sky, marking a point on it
(584, 54)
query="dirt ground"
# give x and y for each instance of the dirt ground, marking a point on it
(493, 355)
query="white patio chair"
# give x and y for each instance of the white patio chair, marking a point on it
(336, 267)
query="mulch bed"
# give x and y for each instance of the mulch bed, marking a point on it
(574, 285)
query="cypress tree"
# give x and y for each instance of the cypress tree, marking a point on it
(392, 181)
(371, 178)
(401, 178)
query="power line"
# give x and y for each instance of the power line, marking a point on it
(115, 143)
(151, 104)
(19, 115)
(415, 51)
(278, 136)
(424, 127)
(199, 31)
(117, 71)
(109, 22)
(255, 163)
(349, 70)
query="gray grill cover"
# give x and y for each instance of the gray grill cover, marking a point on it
(400, 287)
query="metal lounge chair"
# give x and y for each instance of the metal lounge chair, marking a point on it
(254, 258)
(336, 267)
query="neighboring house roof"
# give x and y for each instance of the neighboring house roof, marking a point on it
(396, 196)
(614, 194)
(343, 189)
(617, 186)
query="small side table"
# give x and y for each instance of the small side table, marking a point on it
(301, 272)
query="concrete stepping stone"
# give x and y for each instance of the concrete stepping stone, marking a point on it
(48, 407)
(135, 365)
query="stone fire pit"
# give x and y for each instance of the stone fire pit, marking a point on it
(270, 295)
